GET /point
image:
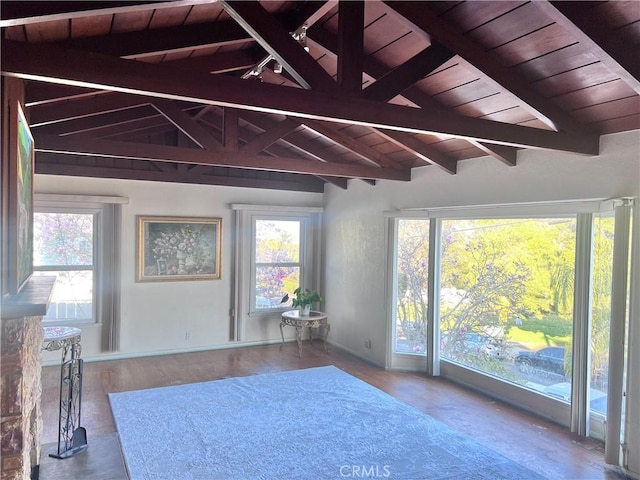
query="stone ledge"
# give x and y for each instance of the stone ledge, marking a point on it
(32, 301)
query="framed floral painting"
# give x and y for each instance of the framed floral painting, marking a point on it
(178, 248)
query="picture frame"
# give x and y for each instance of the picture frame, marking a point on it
(20, 200)
(178, 248)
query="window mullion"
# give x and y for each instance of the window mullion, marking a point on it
(433, 311)
(581, 364)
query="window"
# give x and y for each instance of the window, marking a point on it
(277, 249)
(506, 301)
(517, 301)
(77, 238)
(411, 286)
(64, 245)
(277, 261)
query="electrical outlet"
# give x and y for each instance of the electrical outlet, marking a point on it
(367, 343)
(187, 335)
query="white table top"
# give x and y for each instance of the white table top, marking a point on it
(60, 333)
(295, 315)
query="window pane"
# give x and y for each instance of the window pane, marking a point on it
(272, 282)
(412, 286)
(72, 297)
(63, 239)
(601, 311)
(277, 241)
(507, 299)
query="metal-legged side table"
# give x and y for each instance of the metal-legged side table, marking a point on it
(72, 438)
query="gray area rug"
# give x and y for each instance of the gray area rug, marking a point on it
(318, 423)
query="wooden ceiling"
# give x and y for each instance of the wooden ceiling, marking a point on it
(189, 90)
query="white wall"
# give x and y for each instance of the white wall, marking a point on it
(157, 315)
(355, 230)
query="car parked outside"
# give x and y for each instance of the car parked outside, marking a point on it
(475, 342)
(549, 359)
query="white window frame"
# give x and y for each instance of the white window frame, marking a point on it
(95, 267)
(579, 419)
(106, 278)
(244, 244)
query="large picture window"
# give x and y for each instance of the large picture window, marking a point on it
(516, 301)
(506, 301)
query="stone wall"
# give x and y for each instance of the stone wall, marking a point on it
(21, 389)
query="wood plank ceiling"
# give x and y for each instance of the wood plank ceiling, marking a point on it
(294, 95)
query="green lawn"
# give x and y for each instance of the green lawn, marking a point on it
(538, 333)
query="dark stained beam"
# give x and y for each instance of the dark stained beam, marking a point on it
(160, 153)
(230, 129)
(25, 13)
(50, 64)
(350, 45)
(52, 103)
(404, 76)
(274, 149)
(39, 93)
(369, 154)
(53, 164)
(269, 137)
(118, 120)
(296, 140)
(139, 44)
(490, 69)
(187, 125)
(507, 155)
(605, 45)
(420, 150)
(418, 97)
(277, 41)
(84, 107)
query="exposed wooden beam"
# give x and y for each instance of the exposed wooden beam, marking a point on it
(277, 41)
(77, 105)
(230, 129)
(187, 125)
(25, 13)
(270, 136)
(605, 45)
(404, 76)
(298, 141)
(488, 67)
(39, 93)
(53, 164)
(160, 153)
(118, 120)
(366, 152)
(45, 114)
(414, 95)
(420, 150)
(45, 63)
(507, 155)
(273, 149)
(350, 45)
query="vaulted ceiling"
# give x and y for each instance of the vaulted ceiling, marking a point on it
(293, 95)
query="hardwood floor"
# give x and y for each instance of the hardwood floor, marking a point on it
(540, 445)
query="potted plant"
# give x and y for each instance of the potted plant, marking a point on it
(303, 299)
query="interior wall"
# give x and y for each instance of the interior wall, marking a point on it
(162, 317)
(356, 232)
